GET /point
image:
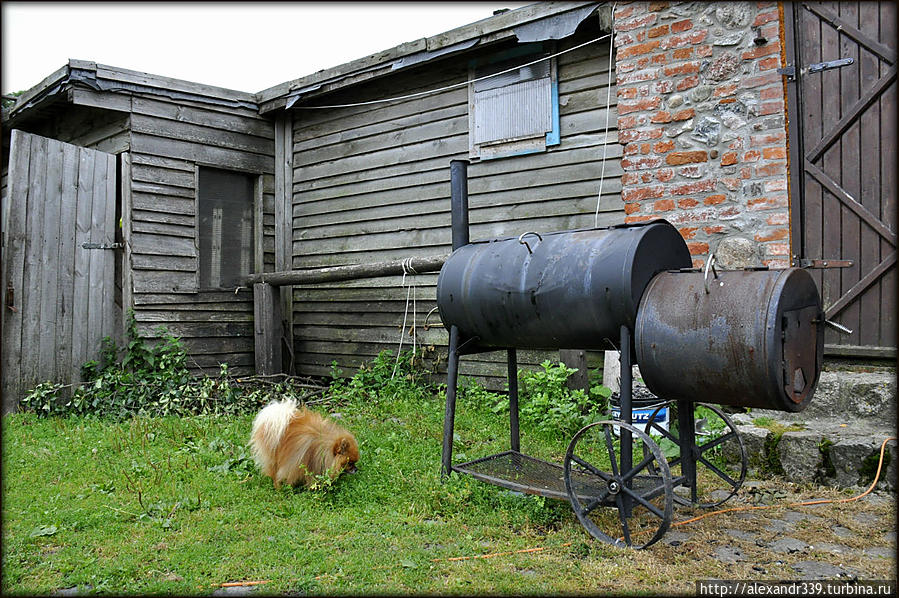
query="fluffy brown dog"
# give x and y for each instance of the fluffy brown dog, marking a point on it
(296, 445)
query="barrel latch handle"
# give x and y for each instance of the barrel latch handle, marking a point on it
(709, 265)
(525, 243)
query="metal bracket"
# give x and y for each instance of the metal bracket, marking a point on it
(790, 70)
(820, 264)
(102, 245)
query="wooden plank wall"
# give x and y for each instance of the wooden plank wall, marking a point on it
(372, 184)
(169, 139)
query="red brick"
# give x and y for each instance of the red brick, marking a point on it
(752, 156)
(731, 212)
(663, 86)
(663, 205)
(625, 12)
(774, 153)
(660, 59)
(682, 53)
(643, 62)
(687, 83)
(687, 39)
(746, 172)
(695, 187)
(635, 23)
(777, 249)
(777, 264)
(646, 177)
(631, 208)
(645, 147)
(657, 6)
(630, 178)
(713, 200)
(759, 51)
(688, 232)
(629, 122)
(731, 183)
(676, 158)
(637, 49)
(631, 149)
(698, 248)
(681, 26)
(772, 93)
(713, 230)
(775, 235)
(760, 80)
(765, 18)
(729, 158)
(642, 193)
(772, 62)
(777, 185)
(641, 163)
(627, 93)
(661, 117)
(658, 31)
(771, 108)
(693, 171)
(704, 51)
(681, 69)
(639, 135)
(766, 203)
(776, 219)
(632, 219)
(637, 105)
(665, 174)
(636, 76)
(662, 147)
(736, 144)
(726, 89)
(773, 169)
(687, 203)
(684, 114)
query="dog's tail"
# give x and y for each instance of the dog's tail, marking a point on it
(268, 427)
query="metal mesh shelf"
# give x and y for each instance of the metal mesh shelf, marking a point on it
(523, 473)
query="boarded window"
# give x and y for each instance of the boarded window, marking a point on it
(514, 112)
(225, 228)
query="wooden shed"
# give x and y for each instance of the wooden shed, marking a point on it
(127, 190)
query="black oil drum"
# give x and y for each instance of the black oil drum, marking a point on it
(562, 290)
(746, 338)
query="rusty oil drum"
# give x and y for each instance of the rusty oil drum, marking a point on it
(562, 290)
(754, 339)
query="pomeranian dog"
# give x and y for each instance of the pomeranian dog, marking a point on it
(296, 446)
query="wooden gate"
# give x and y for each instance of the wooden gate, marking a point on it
(58, 284)
(841, 73)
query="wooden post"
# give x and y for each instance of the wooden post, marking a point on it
(576, 358)
(267, 328)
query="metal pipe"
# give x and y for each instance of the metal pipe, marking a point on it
(419, 265)
(686, 426)
(513, 401)
(449, 414)
(625, 397)
(459, 202)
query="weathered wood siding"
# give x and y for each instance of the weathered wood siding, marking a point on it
(169, 140)
(372, 184)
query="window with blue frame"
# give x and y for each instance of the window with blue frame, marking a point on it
(516, 111)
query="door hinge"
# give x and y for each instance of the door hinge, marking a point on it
(10, 298)
(102, 245)
(790, 70)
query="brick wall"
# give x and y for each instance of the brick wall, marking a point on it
(702, 123)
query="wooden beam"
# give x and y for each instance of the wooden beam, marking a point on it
(267, 328)
(413, 265)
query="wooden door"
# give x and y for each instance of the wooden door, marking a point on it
(842, 127)
(57, 266)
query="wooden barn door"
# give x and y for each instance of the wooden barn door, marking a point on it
(57, 266)
(842, 110)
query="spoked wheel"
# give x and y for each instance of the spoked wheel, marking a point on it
(718, 452)
(643, 494)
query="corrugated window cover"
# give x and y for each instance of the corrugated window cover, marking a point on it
(514, 111)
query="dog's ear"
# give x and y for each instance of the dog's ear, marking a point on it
(341, 446)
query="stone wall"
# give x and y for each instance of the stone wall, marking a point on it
(701, 118)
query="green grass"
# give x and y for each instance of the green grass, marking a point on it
(173, 505)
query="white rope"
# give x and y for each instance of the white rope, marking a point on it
(605, 141)
(455, 85)
(407, 269)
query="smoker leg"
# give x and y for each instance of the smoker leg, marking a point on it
(513, 401)
(625, 396)
(686, 427)
(449, 415)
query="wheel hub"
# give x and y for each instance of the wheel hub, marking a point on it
(614, 486)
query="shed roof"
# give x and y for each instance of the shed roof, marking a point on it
(535, 22)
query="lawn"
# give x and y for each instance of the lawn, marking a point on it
(150, 505)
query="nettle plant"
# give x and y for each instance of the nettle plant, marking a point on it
(149, 378)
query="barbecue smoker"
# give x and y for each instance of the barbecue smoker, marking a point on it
(701, 337)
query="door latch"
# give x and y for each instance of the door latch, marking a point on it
(102, 245)
(790, 70)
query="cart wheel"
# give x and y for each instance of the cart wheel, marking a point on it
(643, 494)
(719, 454)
